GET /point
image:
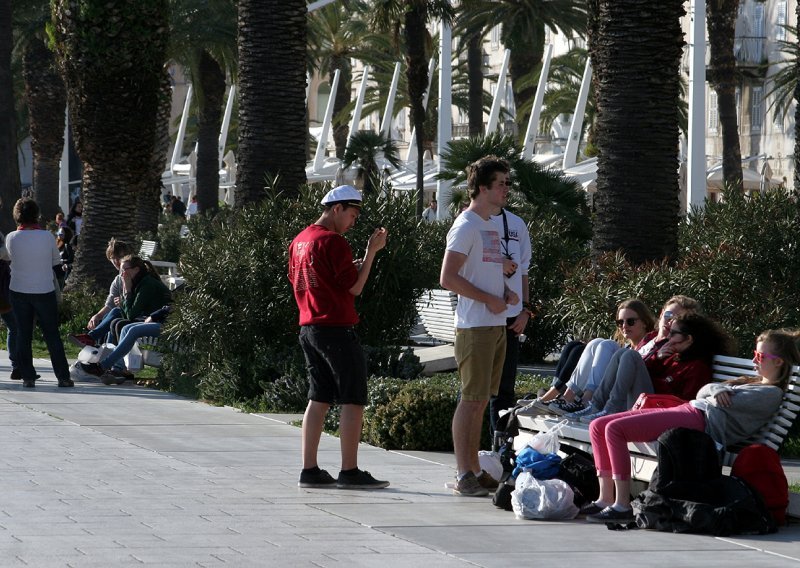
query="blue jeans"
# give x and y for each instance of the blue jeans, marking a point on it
(44, 308)
(11, 335)
(101, 330)
(127, 339)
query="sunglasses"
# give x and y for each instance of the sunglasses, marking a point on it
(677, 332)
(630, 322)
(759, 356)
(668, 315)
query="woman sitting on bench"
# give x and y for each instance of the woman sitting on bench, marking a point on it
(679, 367)
(729, 412)
(635, 325)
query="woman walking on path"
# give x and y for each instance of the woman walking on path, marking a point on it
(34, 256)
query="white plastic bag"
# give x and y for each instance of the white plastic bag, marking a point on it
(94, 354)
(547, 442)
(490, 463)
(133, 360)
(542, 499)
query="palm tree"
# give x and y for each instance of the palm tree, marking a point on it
(111, 56)
(411, 18)
(523, 32)
(337, 33)
(47, 101)
(272, 82)
(365, 147)
(721, 19)
(9, 181)
(786, 86)
(546, 189)
(636, 54)
(203, 40)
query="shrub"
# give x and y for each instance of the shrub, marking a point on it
(238, 318)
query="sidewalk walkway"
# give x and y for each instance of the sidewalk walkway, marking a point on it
(127, 476)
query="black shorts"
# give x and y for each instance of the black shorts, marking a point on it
(337, 369)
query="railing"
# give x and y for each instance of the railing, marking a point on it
(749, 50)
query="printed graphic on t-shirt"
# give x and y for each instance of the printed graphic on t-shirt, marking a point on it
(305, 276)
(491, 247)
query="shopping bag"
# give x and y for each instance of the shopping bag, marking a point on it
(134, 360)
(95, 353)
(542, 499)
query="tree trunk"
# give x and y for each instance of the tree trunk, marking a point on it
(113, 75)
(475, 78)
(341, 128)
(148, 198)
(9, 179)
(636, 48)
(721, 72)
(47, 101)
(527, 51)
(209, 119)
(417, 77)
(272, 83)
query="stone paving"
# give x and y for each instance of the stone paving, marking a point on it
(127, 476)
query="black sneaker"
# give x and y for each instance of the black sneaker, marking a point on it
(591, 508)
(29, 383)
(65, 383)
(318, 479)
(359, 479)
(611, 515)
(92, 369)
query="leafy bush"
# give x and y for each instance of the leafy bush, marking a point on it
(417, 415)
(743, 269)
(237, 321)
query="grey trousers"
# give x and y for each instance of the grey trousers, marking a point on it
(626, 377)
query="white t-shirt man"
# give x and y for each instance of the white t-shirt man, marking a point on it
(515, 241)
(479, 240)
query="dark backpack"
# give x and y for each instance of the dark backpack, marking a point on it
(760, 467)
(687, 459)
(688, 492)
(579, 472)
(734, 509)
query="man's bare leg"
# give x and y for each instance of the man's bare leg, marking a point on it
(313, 423)
(350, 434)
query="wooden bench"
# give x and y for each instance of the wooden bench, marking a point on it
(644, 454)
(437, 309)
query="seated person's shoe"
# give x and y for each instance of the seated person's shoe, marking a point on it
(611, 515)
(65, 383)
(82, 339)
(591, 508)
(487, 481)
(589, 417)
(534, 408)
(318, 479)
(561, 407)
(359, 479)
(576, 416)
(29, 383)
(111, 378)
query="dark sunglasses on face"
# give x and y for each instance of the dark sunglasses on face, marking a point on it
(630, 322)
(668, 315)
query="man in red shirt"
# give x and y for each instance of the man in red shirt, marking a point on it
(326, 280)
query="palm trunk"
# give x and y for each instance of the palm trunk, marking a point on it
(721, 72)
(113, 111)
(47, 100)
(417, 76)
(148, 200)
(9, 180)
(211, 94)
(636, 49)
(527, 51)
(272, 82)
(341, 129)
(475, 78)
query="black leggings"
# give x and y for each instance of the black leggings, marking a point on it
(570, 355)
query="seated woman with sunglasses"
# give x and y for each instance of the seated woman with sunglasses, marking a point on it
(635, 325)
(679, 368)
(729, 412)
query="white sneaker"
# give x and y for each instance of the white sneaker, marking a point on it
(588, 418)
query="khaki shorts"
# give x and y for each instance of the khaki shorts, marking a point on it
(480, 353)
